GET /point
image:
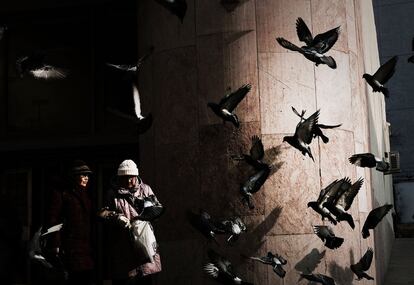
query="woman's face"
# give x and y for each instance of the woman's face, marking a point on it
(128, 182)
(82, 180)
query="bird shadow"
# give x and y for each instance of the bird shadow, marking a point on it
(231, 37)
(253, 240)
(344, 275)
(310, 261)
(270, 157)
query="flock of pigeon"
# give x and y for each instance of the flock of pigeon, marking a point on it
(334, 200)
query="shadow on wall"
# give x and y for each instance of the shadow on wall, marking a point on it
(253, 240)
(310, 261)
(342, 275)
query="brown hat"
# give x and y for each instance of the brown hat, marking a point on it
(80, 167)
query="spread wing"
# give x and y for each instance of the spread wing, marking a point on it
(257, 149)
(288, 45)
(348, 196)
(360, 159)
(365, 261)
(303, 32)
(304, 130)
(386, 70)
(137, 102)
(325, 41)
(231, 101)
(324, 192)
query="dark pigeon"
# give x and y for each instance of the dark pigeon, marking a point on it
(225, 108)
(326, 234)
(231, 5)
(381, 77)
(133, 68)
(315, 47)
(411, 58)
(253, 184)
(176, 7)
(205, 224)
(151, 209)
(275, 260)
(222, 270)
(143, 122)
(304, 134)
(369, 160)
(317, 130)
(318, 278)
(341, 198)
(35, 250)
(363, 265)
(256, 154)
(233, 226)
(374, 217)
(317, 205)
(36, 67)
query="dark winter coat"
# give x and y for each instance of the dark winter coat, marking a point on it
(72, 207)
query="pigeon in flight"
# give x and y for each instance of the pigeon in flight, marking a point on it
(374, 217)
(381, 76)
(317, 205)
(205, 224)
(225, 108)
(318, 278)
(256, 154)
(233, 226)
(304, 134)
(363, 265)
(35, 251)
(317, 132)
(144, 123)
(326, 234)
(133, 68)
(253, 184)
(176, 7)
(35, 65)
(411, 58)
(369, 160)
(275, 260)
(341, 198)
(222, 270)
(315, 48)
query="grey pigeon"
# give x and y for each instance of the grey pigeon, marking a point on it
(35, 250)
(224, 109)
(233, 226)
(315, 47)
(304, 134)
(203, 222)
(341, 198)
(176, 7)
(256, 154)
(151, 209)
(275, 260)
(411, 58)
(381, 76)
(363, 265)
(133, 68)
(318, 278)
(222, 270)
(326, 234)
(317, 205)
(35, 66)
(374, 217)
(369, 160)
(253, 184)
(317, 130)
(143, 122)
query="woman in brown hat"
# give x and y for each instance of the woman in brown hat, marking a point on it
(71, 206)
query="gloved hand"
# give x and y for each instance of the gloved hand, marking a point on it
(124, 221)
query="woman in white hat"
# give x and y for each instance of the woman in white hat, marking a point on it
(130, 264)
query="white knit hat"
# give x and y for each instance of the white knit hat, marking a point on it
(128, 167)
